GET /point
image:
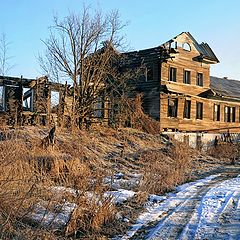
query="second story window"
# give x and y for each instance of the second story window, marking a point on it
(187, 109)
(172, 107)
(172, 74)
(199, 79)
(199, 110)
(149, 73)
(187, 77)
(216, 113)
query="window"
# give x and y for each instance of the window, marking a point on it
(27, 99)
(186, 47)
(99, 108)
(187, 77)
(199, 79)
(55, 97)
(216, 114)
(233, 113)
(172, 74)
(199, 110)
(1, 99)
(172, 107)
(227, 114)
(149, 73)
(187, 109)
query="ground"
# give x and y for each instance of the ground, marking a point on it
(118, 184)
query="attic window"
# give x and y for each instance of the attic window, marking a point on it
(186, 46)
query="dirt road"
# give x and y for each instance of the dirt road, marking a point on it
(206, 209)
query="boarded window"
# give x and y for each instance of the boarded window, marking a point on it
(172, 74)
(187, 77)
(199, 79)
(187, 109)
(172, 107)
(216, 114)
(199, 110)
(1, 98)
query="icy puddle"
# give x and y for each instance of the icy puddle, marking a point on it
(206, 209)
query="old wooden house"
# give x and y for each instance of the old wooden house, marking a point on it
(179, 91)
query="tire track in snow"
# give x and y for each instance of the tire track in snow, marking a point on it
(183, 215)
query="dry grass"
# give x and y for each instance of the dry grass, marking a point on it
(224, 151)
(28, 173)
(79, 161)
(165, 169)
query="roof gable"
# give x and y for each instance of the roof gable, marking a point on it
(203, 49)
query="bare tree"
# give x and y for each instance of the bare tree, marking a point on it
(5, 65)
(83, 50)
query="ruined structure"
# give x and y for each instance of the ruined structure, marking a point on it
(31, 101)
(179, 92)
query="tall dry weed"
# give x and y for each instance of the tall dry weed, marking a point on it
(165, 169)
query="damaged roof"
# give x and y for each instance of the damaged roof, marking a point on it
(225, 87)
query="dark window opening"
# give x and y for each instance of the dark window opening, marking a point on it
(149, 73)
(233, 109)
(199, 110)
(216, 115)
(187, 77)
(187, 109)
(1, 98)
(172, 74)
(172, 107)
(199, 79)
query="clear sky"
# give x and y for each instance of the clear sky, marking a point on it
(151, 23)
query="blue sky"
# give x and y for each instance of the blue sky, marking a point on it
(151, 22)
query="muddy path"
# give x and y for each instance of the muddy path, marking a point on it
(206, 209)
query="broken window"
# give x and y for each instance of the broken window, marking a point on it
(172, 74)
(199, 79)
(27, 99)
(187, 109)
(149, 73)
(199, 110)
(216, 114)
(172, 107)
(186, 46)
(55, 96)
(187, 77)
(1, 98)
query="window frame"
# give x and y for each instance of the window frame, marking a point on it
(199, 111)
(216, 112)
(186, 80)
(172, 110)
(199, 82)
(187, 109)
(172, 74)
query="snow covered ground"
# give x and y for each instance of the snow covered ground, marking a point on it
(206, 209)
